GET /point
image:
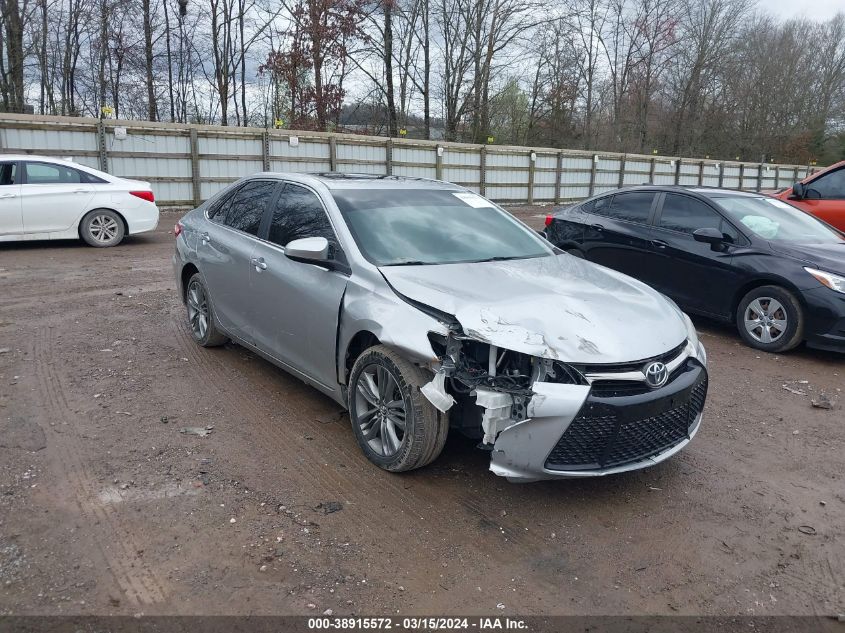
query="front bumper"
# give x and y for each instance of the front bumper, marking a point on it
(825, 327)
(573, 432)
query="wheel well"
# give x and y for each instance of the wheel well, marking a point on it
(363, 340)
(115, 211)
(757, 283)
(188, 271)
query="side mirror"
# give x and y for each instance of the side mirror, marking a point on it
(799, 191)
(710, 236)
(308, 249)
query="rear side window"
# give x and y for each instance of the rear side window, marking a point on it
(8, 174)
(248, 206)
(633, 206)
(299, 213)
(685, 214)
(47, 174)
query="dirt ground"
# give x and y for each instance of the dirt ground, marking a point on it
(106, 507)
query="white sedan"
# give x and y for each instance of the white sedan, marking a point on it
(45, 198)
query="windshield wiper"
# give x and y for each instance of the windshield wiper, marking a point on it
(497, 258)
(413, 262)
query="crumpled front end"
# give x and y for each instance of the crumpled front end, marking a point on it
(542, 418)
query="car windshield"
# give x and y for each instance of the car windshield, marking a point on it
(395, 227)
(776, 220)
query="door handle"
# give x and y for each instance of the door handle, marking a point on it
(8, 195)
(259, 263)
(659, 243)
(80, 191)
(205, 238)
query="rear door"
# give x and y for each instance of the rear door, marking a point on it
(53, 196)
(692, 273)
(11, 220)
(226, 245)
(297, 304)
(618, 234)
(825, 198)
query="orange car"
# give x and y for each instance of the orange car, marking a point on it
(821, 194)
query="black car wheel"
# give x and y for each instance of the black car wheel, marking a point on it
(770, 319)
(396, 426)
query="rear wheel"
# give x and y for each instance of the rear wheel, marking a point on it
(102, 228)
(200, 314)
(770, 319)
(395, 425)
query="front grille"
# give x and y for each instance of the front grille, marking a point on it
(603, 435)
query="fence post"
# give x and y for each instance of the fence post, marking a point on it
(777, 176)
(621, 182)
(101, 137)
(651, 171)
(678, 171)
(332, 153)
(741, 175)
(721, 173)
(265, 150)
(558, 176)
(438, 162)
(759, 176)
(195, 168)
(593, 173)
(482, 172)
(700, 173)
(532, 161)
(388, 156)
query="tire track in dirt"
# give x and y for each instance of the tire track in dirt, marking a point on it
(425, 499)
(116, 541)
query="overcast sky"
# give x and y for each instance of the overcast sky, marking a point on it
(816, 10)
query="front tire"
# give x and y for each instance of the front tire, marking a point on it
(102, 228)
(770, 318)
(396, 426)
(201, 315)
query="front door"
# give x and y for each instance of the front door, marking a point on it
(11, 221)
(692, 273)
(825, 198)
(53, 197)
(296, 304)
(225, 248)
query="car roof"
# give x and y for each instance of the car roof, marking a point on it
(340, 180)
(714, 192)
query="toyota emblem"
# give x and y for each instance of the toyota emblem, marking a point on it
(656, 375)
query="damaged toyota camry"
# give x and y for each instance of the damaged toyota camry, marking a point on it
(422, 308)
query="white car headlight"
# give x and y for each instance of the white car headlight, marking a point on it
(834, 282)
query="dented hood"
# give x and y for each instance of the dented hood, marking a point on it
(559, 307)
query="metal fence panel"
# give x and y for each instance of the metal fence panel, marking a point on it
(179, 170)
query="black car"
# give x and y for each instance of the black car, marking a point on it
(777, 272)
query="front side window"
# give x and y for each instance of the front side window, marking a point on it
(8, 174)
(686, 215)
(48, 174)
(773, 219)
(394, 227)
(632, 206)
(247, 208)
(828, 187)
(298, 213)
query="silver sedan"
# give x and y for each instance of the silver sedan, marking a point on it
(422, 308)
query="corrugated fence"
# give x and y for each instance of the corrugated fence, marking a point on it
(186, 164)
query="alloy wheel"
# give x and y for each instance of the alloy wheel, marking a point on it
(380, 410)
(103, 228)
(197, 310)
(765, 319)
